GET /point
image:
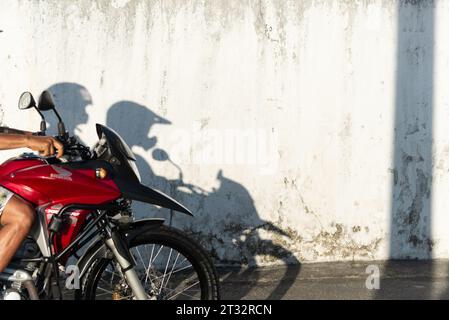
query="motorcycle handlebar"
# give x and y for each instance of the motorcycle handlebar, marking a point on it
(72, 147)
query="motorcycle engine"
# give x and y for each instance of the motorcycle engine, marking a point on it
(27, 250)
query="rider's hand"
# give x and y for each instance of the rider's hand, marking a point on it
(45, 145)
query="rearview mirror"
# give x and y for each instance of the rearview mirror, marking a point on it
(26, 101)
(160, 155)
(46, 101)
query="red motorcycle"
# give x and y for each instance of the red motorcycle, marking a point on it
(83, 206)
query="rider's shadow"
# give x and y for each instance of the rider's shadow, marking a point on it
(226, 220)
(72, 100)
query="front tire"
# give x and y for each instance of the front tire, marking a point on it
(102, 280)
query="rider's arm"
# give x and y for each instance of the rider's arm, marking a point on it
(7, 130)
(44, 144)
(13, 141)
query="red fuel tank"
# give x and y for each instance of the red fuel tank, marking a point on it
(42, 183)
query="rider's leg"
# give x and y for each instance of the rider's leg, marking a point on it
(16, 221)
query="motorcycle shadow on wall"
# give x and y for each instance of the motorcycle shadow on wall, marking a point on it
(226, 221)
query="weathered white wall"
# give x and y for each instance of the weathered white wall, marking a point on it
(282, 112)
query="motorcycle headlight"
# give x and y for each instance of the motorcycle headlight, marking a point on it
(133, 165)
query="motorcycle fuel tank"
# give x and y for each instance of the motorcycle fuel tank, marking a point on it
(42, 183)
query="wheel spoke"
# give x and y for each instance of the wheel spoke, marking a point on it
(171, 271)
(106, 291)
(159, 251)
(149, 265)
(146, 270)
(165, 271)
(181, 292)
(176, 271)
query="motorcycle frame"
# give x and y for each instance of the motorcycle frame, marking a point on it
(44, 236)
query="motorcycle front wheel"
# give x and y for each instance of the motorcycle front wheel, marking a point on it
(170, 265)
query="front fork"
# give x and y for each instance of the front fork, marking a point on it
(122, 255)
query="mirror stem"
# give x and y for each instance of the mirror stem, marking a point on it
(43, 126)
(57, 115)
(61, 126)
(43, 123)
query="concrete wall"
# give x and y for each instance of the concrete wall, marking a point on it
(304, 130)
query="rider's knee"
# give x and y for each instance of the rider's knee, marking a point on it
(24, 216)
